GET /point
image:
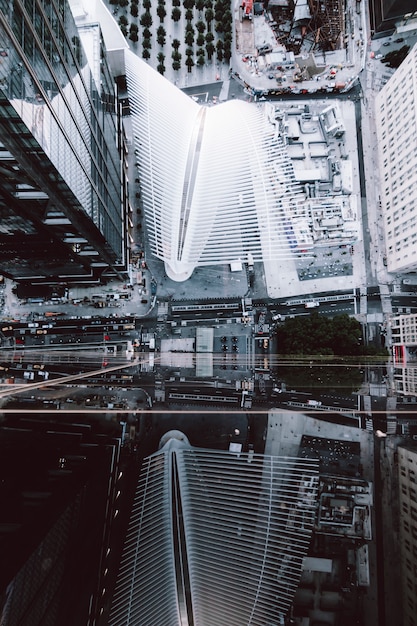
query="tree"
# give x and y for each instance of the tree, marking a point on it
(176, 3)
(200, 40)
(209, 37)
(189, 38)
(220, 55)
(146, 54)
(189, 15)
(161, 68)
(227, 54)
(219, 27)
(146, 43)
(161, 35)
(123, 3)
(147, 34)
(123, 20)
(317, 334)
(133, 33)
(200, 26)
(176, 14)
(189, 63)
(176, 65)
(209, 15)
(146, 19)
(161, 57)
(210, 49)
(134, 11)
(176, 55)
(199, 5)
(161, 12)
(188, 4)
(200, 61)
(189, 52)
(146, 4)
(176, 44)
(227, 19)
(189, 28)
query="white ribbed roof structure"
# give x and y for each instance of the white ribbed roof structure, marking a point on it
(217, 182)
(215, 539)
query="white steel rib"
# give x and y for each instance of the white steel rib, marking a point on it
(217, 182)
(215, 538)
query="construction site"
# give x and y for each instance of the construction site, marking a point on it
(308, 25)
(300, 26)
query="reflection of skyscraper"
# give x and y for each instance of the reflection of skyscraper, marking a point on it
(215, 538)
(62, 193)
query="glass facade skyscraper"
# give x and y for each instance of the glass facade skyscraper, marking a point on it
(63, 190)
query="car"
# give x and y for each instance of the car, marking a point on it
(399, 40)
(386, 43)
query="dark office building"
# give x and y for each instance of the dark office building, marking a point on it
(385, 13)
(60, 491)
(63, 186)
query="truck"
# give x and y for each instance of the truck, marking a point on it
(311, 305)
(247, 9)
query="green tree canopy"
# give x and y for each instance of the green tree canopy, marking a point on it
(176, 14)
(317, 334)
(176, 44)
(210, 49)
(176, 65)
(189, 38)
(146, 19)
(161, 12)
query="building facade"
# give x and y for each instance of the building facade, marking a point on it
(385, 14)
(215, 538)
(63, 188)
(407, 467)
(396, 125)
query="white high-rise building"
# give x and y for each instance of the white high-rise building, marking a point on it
(396, 123)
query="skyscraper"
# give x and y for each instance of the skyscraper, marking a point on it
(63, 189)
(396, 124)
